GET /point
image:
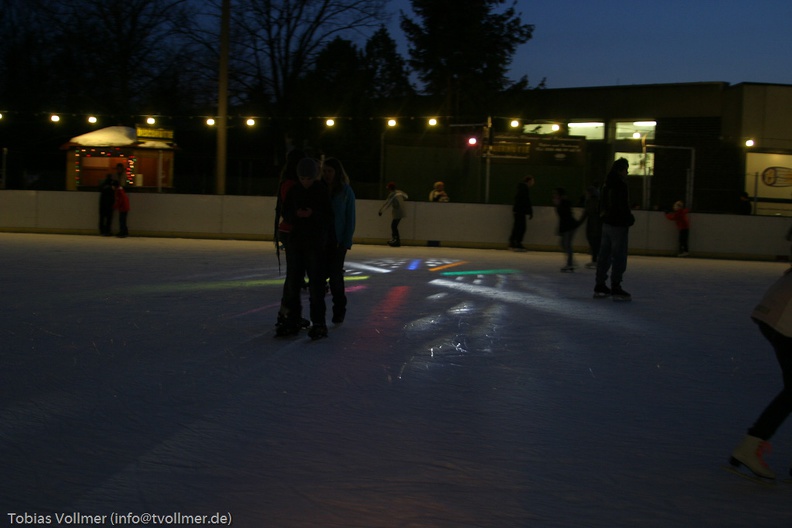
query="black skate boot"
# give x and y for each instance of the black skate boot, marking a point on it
(601, 291)
(288, 328)
(317, 332)
(338, 315)
(618, 294)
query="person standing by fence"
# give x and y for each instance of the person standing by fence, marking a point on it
(521, 209)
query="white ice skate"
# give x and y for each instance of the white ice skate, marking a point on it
(749, 454)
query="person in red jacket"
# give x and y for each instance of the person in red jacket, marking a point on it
(122, 206)
(680, 216)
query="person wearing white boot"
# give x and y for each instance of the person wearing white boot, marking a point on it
(773, 314)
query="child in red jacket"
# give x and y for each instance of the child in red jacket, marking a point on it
(680, 216)
(122, 206)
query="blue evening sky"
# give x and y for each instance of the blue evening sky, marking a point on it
(618, 42)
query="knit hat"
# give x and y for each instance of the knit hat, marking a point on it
(307, 168)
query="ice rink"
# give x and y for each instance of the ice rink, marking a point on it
(467, 388)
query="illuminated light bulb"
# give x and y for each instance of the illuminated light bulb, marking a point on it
(750, 143)
(54, 118)
(92, 119)
(210, 122)
(151, 120)
(391, 122)
(330, 122)
(432, 122)
(250, 122)
(514, 123)
(556, 128)
(472, 141)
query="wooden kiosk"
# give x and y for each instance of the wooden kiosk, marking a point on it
(137, 157)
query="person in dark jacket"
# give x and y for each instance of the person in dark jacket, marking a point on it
(566, 226)
(616, 218)
(106, 203)
(283, 228)
(522, 208)
(593, 223)
(307, 208)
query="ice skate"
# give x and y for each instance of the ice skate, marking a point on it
(317, 332)
(618, 294)
(749, 454)
(394, 242)
(287, 329)
(338, 315)
(601, 291)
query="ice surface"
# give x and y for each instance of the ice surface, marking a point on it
(467, 388)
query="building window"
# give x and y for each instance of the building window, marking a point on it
(635, 129)
(541, 128)
(589, 130)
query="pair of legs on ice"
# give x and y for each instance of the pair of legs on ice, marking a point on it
(755, 443)
(302, 261)
(395, 240)
(612, 257)
(321, 269)
(518, 232)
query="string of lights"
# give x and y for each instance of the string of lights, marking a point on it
(249, 120)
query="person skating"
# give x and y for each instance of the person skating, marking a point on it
(773, 314)
(343, 199)
(593, 223)
(307, 208)
(567, 224)
(395, 201)
(617, 218)
(282, 227)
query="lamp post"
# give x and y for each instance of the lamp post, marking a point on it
(645, 163)
(750, 143)
(391, 123)
(222, 100)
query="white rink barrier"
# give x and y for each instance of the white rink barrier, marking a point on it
(444, 224)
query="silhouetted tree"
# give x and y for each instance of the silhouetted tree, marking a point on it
(461, 49)
(99, 55)
(387, 70)
(277, 42)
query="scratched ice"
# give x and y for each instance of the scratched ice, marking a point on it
(466, 388)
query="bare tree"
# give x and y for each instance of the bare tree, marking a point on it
(276, 42)
(111, 51)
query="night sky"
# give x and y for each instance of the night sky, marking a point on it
(617, 42)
